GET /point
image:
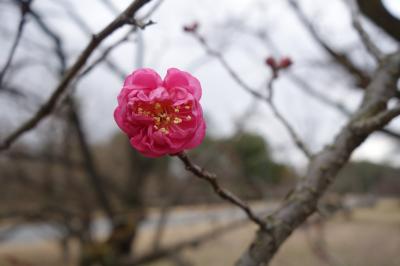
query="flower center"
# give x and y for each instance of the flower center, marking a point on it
(165, 115)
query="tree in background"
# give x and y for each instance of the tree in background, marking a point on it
(68, 182)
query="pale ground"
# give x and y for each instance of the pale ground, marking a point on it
(370, 238)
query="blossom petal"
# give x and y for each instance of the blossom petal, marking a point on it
(144, 78)
(178, 78)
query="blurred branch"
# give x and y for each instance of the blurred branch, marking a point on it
(366, 40)
(24, 10)
(318, 244)
(195, 242)
(299, 143)
(84, 27)
(223, 193)
(253, 92)
(43, 158)
(152, 10)
(342, 59)
(58, 47)
(305, 87)
(165, 210)
(324, 166)
(93, 175)
(103, 57)
(377, 13)
(225, 64)
(47, 108)
(109, 4)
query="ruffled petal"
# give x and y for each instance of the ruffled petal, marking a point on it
(144, 78)
(178, 78)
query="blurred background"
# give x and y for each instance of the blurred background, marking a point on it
(73, 192)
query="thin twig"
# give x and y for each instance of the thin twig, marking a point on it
(341, 58)
(104, 55)
(226, 65)
(324, 166)
(24, 7)
(254, 92)
(366, 39)
(47, 108)
(85, 28)
(299, 143)
(195, 242)
(222, 192)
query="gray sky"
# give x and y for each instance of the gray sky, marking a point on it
(167, 46)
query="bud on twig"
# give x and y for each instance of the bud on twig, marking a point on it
(271, 62)
(191, 27)
(285, 62)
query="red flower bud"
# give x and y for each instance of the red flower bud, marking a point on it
(270, 61)
(285, 62)
(191, 27)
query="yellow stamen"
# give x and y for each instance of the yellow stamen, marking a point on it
(157, 106)
(164, 130)
(177, 120)
(188, 118)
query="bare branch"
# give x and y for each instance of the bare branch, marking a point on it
(299, 143)
(324, 167)
(50, 104)
(164, 252)
(342, 59)
(225, 64)
(366, 40)
(254, 92)
(222, 192)
(376, 11)
(304, 86)
(93, 175)
(24, 9)
(104, 55)
(374, 122)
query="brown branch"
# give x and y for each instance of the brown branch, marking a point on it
(225, 194)
(254, 92)
(324, 167)
(85, 28)
(377, 13)
(226, 65)
(318, 244)
(373, 123)
(47, 108)
(366, 40)
(342, 59)
(104, 55)
(24, 9)
(305, 87)
(164, 252)
(299, 143)
(94, 177)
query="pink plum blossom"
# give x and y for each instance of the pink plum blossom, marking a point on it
(159, 116)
